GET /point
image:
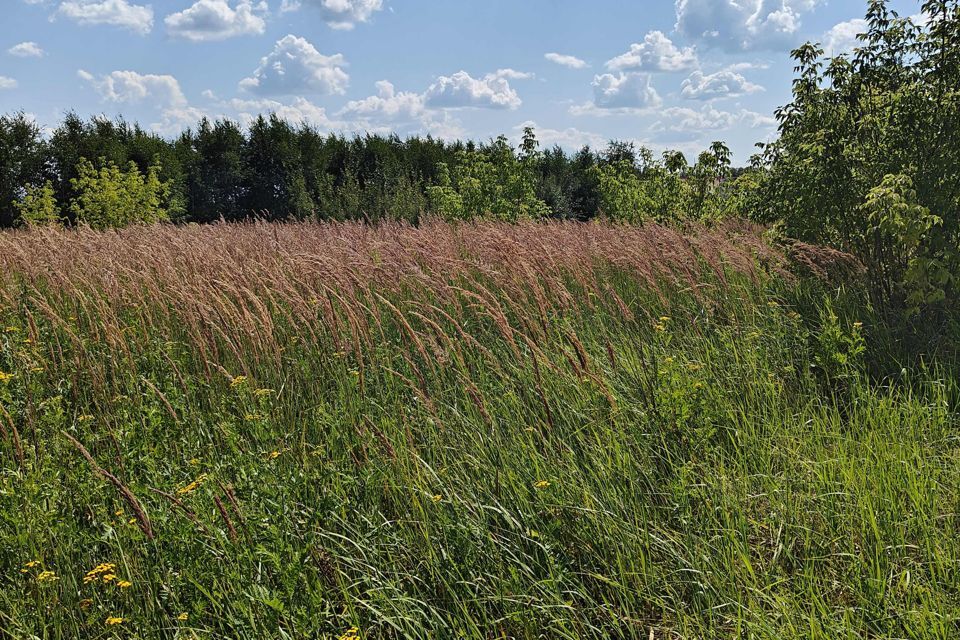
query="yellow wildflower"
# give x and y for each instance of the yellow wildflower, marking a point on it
(109, 577)
(237, 381)
(659, 327)
(112, 620)
(102, 569)
(183, 617)
(193, 486)
(32, 564)
(5, 377)
(353, 633)
(437, 498)
(47, 576)
(857, 325)
(542, 484)
(37, 370)
(85, 603)
(665, 319)
(85, 418)
(124, 584)
(273, 455)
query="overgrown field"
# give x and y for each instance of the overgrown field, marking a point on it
(472, 431)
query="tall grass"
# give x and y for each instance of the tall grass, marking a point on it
(479, 431)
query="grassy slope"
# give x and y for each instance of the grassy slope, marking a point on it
(484, 432)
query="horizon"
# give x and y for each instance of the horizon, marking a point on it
(672, 75)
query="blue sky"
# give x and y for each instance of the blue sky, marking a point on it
(667, 74)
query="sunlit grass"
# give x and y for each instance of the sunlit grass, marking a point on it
(536, 431)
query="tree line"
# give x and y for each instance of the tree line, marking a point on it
(108, 173)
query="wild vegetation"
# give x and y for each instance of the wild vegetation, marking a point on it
(419, 389)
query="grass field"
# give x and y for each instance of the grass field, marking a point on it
(474, 431)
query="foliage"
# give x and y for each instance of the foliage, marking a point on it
(38, 206)
(278, 171)
(491, 182)
(868, 158)
(110, 197)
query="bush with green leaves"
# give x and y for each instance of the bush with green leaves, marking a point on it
(868, 158)
(111, 197)
(38, 205)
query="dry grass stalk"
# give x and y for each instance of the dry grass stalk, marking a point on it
(142, 520)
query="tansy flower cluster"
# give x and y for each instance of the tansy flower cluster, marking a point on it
(353, 633)
(193, 486)
(100, 572)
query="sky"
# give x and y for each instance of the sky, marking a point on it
(668, 74)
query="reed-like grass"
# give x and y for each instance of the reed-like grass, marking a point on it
(476, 431)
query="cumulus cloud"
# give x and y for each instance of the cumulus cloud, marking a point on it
(740, 25)
(569, 138)
(621, 93)
(722, 84)
(682, 120)
(338, 14)
(842, 38)
(132, 87)
(174, 120)
(295, 66)
(571, 62)
(26, 50)
(656, 53)
(209, 20)
(7, 83)
(117, 13)
(388, 104)
(299, 111)
(461, 90)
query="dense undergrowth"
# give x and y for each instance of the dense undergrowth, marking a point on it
(479, 431)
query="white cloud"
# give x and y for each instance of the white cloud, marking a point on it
(387, 104)
(569, 138)
(209, 20)
(117, 13)
(175, 120)
(339, 14)
(623, 93)
(682, 120)
(722, 84)
(299, 111)
(571, 62)
(842, 38)
(739, 25)
(7, 83)
(26, 50)
(295, 66)
(656, 53)
(492, 91)
(132, 87)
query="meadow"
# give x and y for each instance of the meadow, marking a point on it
(473, 430)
